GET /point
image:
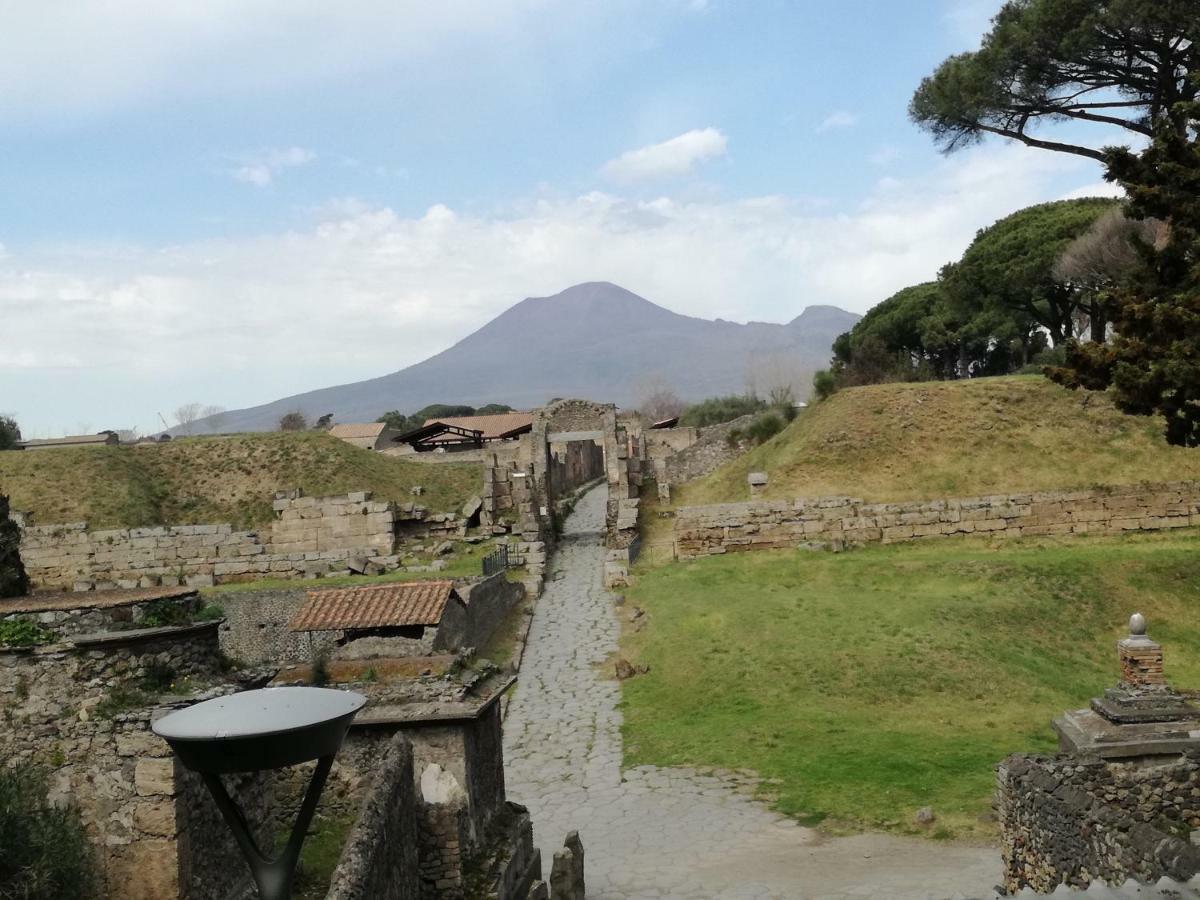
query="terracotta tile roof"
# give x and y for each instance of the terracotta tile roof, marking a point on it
(493, 427)
(357, 430)
(374, 606)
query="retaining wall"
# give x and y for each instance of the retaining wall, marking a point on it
(837, 521)
(1073, 822)
(310, 536)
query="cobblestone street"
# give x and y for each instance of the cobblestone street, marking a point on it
(655, 832)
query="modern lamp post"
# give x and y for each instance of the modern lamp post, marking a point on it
(269, 728)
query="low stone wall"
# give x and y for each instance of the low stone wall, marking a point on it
(310, 536)
(1066, 821)
(838, 521)
(379, 860)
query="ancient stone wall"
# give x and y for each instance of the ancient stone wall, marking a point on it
(487, 603)
(156, 832)
(838, 521)
(379, 859)
(1067, 821)
(710, 449)
(573, 463)
(310, 536)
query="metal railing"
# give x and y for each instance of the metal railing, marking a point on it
(501, 559)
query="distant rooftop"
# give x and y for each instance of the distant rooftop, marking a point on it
(494, 428)
(72, 440)
(358, 430)
(374, 606)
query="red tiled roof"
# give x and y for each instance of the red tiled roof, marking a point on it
(374, 606)
(493, 427)
(357, 430)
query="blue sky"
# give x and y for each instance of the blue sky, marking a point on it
(231, 201)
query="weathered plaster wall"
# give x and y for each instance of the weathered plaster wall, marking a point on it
(836, 521)
(1067, 821)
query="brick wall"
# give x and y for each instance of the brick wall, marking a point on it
(837, 521)
(310, 535)
(1067, 821)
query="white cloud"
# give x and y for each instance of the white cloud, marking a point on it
(673, 157)
(366, 290)
(1096, 189)
(839, 119)
(885, 155)
(261, 168)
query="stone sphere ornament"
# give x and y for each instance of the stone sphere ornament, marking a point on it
(1137, 625)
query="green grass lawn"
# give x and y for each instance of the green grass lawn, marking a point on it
(865, 685)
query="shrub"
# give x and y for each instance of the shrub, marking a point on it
(824, 384)
(765, 427)
(120, 699)
(46, 852)
(165, 612)
(716, 410)
(157, 677)
(24, 633)
(210, 612)
(319, 675)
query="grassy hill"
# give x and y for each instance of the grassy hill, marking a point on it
(225, 479)
(953, 439)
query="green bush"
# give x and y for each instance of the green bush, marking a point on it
(716, 410)
(164, 612)
(158, 677)
(824, 384)
(319, 676)
(46, 854)
(120, 699)
(24, 633)
(765, 427)
(210, 612)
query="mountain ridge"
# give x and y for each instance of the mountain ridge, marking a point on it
(594, 340)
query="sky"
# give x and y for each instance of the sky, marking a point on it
(232, 201)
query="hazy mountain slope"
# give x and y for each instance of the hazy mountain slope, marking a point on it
(597, 341)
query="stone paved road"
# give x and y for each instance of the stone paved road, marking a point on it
(673, 833)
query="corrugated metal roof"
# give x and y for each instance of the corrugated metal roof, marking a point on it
(71, 440)
(374, 606)
(357, 430)
(493, 427)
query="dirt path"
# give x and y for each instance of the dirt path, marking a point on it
(652, 832)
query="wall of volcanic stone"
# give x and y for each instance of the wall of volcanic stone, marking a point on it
(839, 521)
(1068, 821)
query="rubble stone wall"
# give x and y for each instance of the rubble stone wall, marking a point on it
(1067, 821)
(156, 832)
(310, 536)
(709, 450)
(379, 859)
(838, 521)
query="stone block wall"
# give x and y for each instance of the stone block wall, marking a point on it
(1073, 822)
(838, 521)
(310, 536)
